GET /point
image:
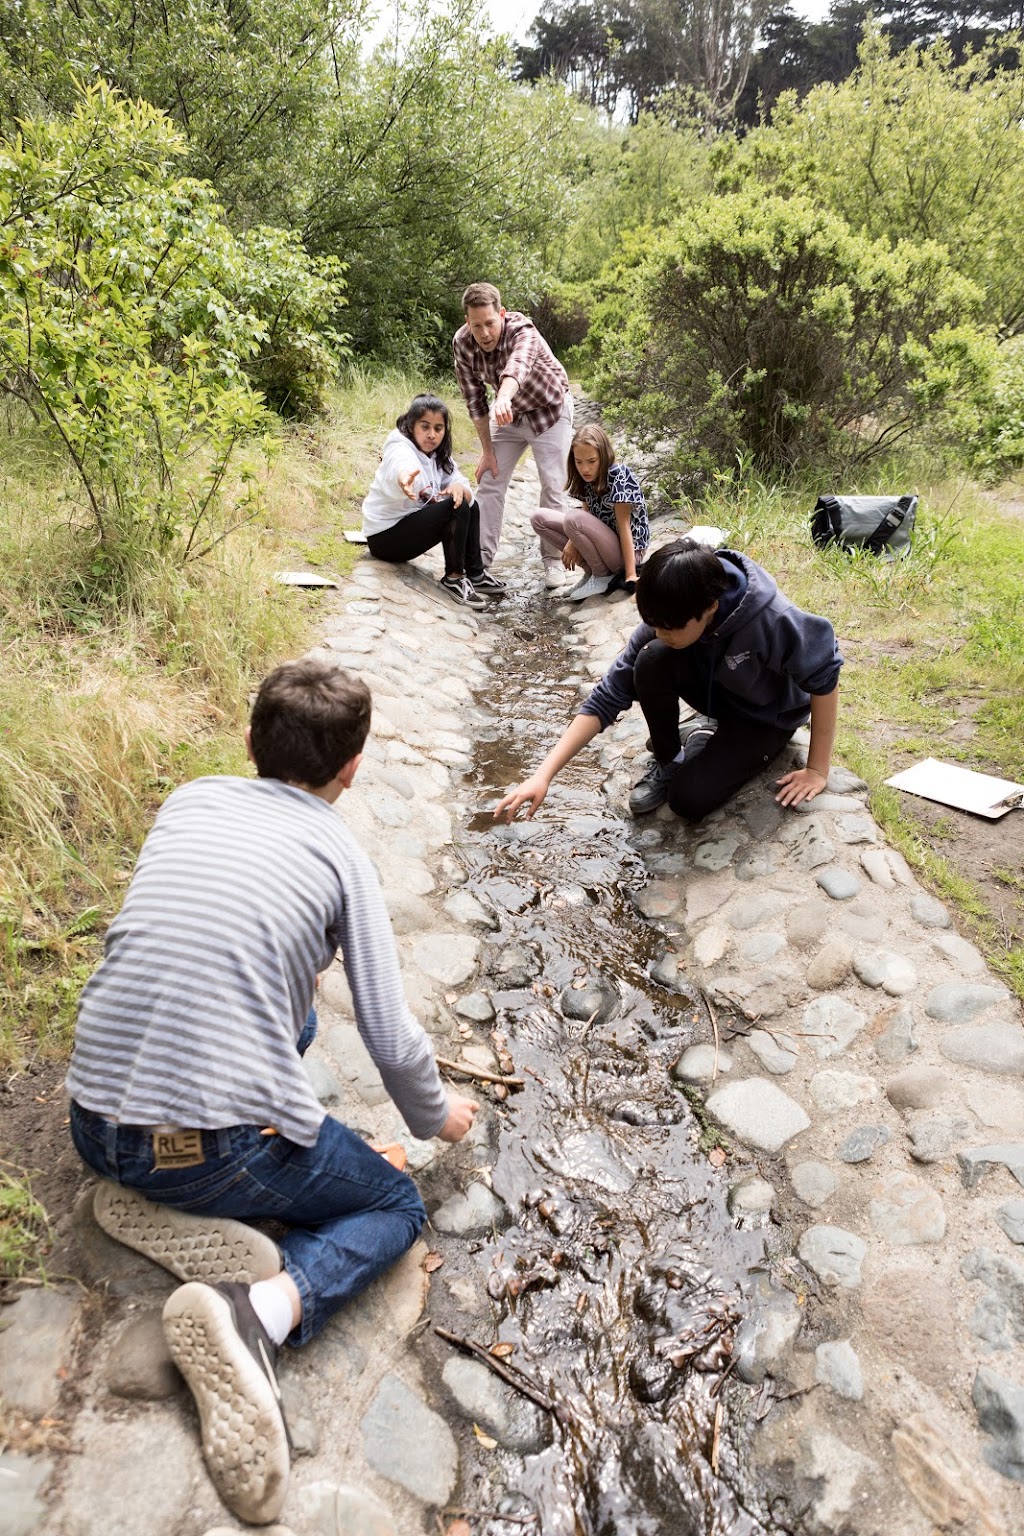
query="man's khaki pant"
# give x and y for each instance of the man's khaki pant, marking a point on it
(551, 456)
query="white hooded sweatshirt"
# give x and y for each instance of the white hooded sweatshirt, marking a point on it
(386, 504)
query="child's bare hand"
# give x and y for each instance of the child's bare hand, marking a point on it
(458, 494)
(570, 556)
(800, 785)
(533, 789)
(405, 483)
(461, 1114)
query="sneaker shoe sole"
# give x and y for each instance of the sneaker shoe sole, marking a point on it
(209, 1248)
(245, 1443)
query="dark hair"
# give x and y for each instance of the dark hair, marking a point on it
(480, 296)
(419, 407)
(309, 719)
(595, 437)
(679, 582)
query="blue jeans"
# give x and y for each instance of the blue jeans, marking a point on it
(350, 1214)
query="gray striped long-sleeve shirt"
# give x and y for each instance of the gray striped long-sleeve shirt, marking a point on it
(243, 891)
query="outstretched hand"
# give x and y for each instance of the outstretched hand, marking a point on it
(533, 790)
(461, 1114)
(405, 483)
(800, 785)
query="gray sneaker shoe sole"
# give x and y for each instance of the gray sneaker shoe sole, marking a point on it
(244, 1440)
(209, 1248)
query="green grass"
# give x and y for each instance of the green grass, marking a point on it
(24, 1228)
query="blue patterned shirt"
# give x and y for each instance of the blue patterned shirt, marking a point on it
(623, 488)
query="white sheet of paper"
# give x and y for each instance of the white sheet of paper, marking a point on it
(961, 788)
(303, 579)
(355, 536)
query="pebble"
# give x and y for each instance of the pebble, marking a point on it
(893, 1034)
(862, 1143)
(710, 945)
(933, 1137)
(916, 1087)
(832, 1090)
(998, 1319)
(834, 1255)
(758, 1113)
(717, 854)
(658, 899)
(882, 968)
(751, 1197)
(812, 848)
(906, 1211)
(966, 957)
(765, 1335)
(515, 1422)
(830, 966)
(331, 1511)
(876, 867)
(666, 970)
(776, 1056)
(466, 908)
(140, 1365)
(469, 1215)
(762, 819)
(856, 829)
(755, 864)
(751, 911)
(838, 883)
(959, 1002)
(815, 1183)
(996, 1048)
(842, 782)
(929, 912)
(35, 1344)
(517, 966)
(978, 1161)
(699, 1063)
(22, 1479)
(409, 1444)
(322, 1080)
(831, 1024)
(449, 958)
(761, 947)
(475, 1006)
(836, 1365)
(597, 1001)
(1010, 1217)
(1000, 1408)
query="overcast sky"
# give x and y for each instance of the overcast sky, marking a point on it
(515, 16)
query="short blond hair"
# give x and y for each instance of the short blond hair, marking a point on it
(480, 296)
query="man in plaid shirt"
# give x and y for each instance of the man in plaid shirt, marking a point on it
(532, 407)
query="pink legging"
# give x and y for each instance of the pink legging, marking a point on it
(598, 545)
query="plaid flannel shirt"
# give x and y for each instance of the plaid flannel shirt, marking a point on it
(521, 354)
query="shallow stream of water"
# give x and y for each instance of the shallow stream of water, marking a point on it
(622, 1278)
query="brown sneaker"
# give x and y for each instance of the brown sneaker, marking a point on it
(209, 1248)
(225, 1355)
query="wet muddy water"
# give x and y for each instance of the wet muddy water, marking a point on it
(622, 1276)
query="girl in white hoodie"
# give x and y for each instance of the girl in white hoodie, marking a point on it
(419, 498)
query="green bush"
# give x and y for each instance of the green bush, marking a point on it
(993, 430)
(764, 328)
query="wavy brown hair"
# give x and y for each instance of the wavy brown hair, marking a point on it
(594, 437)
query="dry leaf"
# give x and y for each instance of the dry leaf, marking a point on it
(485, 1440)
(716, 1157)
(501, 1351)
(459, 1528)
(433, 1261)
(450, 997)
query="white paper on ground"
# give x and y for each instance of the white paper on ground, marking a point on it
(960, 787)
(355, 536)
(303, 579)
(705, 533)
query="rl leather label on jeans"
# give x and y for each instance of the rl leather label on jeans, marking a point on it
(177, 1149)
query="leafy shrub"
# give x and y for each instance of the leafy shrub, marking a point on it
(993, 430)
(764, 328)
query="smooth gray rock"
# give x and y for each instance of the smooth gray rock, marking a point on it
(469, 1215)
(933, 1137)
(716, 854)
(777, 1056)
(998, 1318)
(755, 864)
(658, 899)
(834, 1255)
(466, 908)
(475, 1006)
(841, 781)
(1010, 1217)
(449, 958)
(1000, 1407)
(882, 968)
(513, 1421)
(120, 1482)
(699, 1063)
(666, 970)
(831, 1024)
(916, 1087)
(758, 1113)
(977, 1161)
(958, 1002)
(596, 1000)
(761, 947)
(409, 1444)
(34, 1346)
(862, 1143)
(968, 960)
(762, 819)
(516, 966)
(343, 1511)
(995, 1048)
(22, 1479)
(807, 925)
(765, 1335)
(812, 848)
(322, 1080)
(838, 883)
(836, 1365)
(830, 966)
(752, 911)
(815, 1183)
(856, 829)
(906, 1211)
(303, 1429)
(834, 1090)
(751, 1197)
(140, 1364)
(929, 912)
(897, 1039)
(876, 866)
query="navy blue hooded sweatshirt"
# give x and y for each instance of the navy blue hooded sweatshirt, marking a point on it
(760, 656)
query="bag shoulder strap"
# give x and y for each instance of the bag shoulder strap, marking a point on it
(889, 524)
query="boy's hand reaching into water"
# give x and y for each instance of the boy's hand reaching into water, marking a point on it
(533, 789)
(461, 1114)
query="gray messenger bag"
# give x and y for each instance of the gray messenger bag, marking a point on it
(883, 525)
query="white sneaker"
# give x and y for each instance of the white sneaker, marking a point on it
(554, 573)
(593, 586)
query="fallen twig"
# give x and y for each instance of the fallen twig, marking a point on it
(508, 1373)
(479, 1073)
(716, 1438)
(712, 1015)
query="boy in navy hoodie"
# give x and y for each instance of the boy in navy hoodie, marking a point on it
(717, 633)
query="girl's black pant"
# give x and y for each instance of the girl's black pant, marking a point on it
(456, 529)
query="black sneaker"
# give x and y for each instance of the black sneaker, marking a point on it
(227, 1358)
(485, 582)
(652, 789)
(460, 589)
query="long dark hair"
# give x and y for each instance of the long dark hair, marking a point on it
(594, 437)
(442, 454)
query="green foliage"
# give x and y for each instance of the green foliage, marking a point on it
(24, 1228)
(125, 322)
(763, 327)
(992, 427)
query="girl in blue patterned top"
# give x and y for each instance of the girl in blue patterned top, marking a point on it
(606, 533)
